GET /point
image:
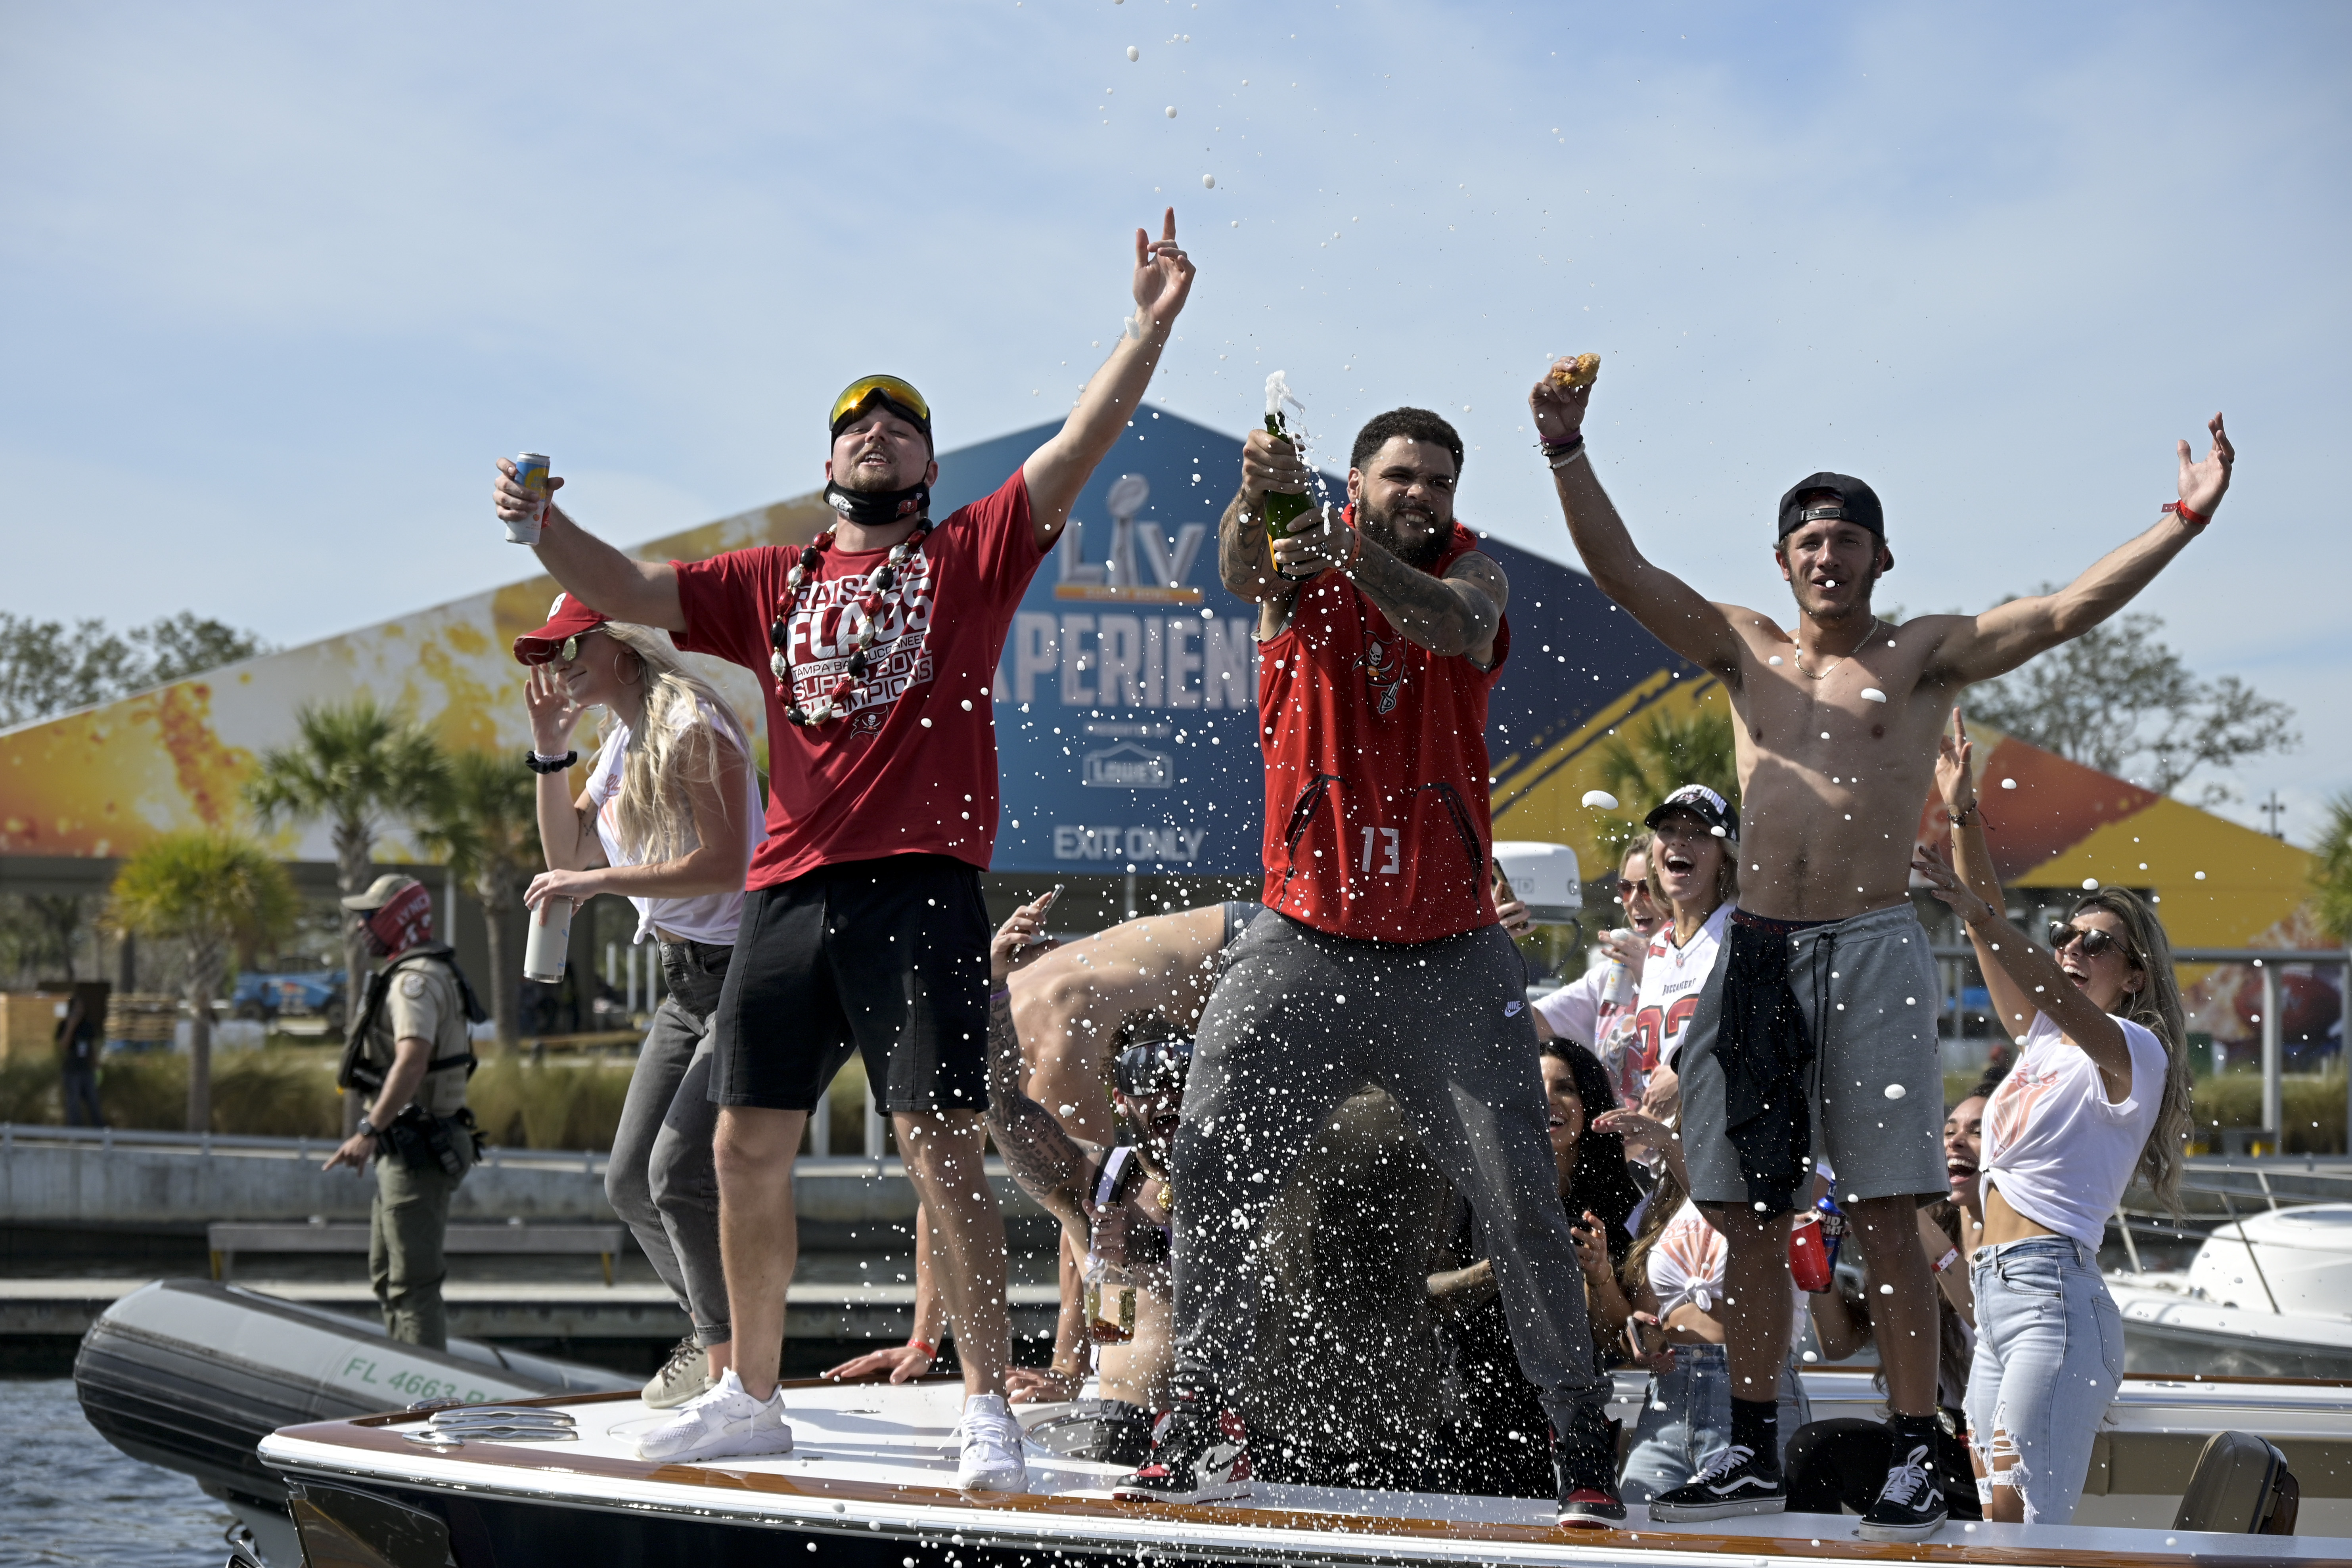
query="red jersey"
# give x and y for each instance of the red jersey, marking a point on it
(1376, 795)
(910, 766)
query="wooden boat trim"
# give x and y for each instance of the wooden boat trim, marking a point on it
(1277, 1530)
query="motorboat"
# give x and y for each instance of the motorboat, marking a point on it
(336, 1446)
(871, 1479)
(2267, 1295)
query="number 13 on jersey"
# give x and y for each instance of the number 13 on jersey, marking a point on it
(1383, 844)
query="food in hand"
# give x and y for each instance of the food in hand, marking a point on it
(1568, 374)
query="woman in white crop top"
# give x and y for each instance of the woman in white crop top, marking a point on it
(2100, 1093)
(668, 820)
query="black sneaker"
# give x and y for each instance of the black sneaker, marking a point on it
(1734, 1484)
(1910, 1506)
(1198, 1454)
(1585, 1468)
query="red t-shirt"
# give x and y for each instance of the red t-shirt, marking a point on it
(1377, 821)
(911, 767)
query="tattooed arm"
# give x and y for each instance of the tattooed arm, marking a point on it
(1454, 614)
(1051, 1166)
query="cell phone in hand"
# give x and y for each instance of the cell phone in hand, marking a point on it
(1044, 905)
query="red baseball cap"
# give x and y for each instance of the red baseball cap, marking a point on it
(566, 618)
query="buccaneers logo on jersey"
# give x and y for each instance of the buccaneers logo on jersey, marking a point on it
(1383, 673)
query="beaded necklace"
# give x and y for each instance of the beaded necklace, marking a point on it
(884, 579)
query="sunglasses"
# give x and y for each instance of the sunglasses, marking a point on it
(563, 652)
(890, 389)
(2095, 943)
(1144, 1070)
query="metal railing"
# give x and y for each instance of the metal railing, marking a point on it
(2267, 961)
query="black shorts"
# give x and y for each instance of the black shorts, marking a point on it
(886, 957)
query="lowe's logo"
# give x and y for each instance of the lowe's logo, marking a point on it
(1128, 766)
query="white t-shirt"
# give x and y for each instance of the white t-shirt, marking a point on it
(1672, 978)
(2059, 1153)
(1582, 1011)
(713, 917)
(1686, 1263)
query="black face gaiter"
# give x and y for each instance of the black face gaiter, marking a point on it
(879, 509)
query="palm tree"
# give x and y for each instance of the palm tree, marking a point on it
(2331, 872)
(486, 823)
(355, 764)
(1648, 761)
(211, 892)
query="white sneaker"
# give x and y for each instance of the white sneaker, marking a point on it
(723, 1422)
(991, 1460)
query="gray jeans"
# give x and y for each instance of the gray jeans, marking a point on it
(661, 1178)
(1300, 1020)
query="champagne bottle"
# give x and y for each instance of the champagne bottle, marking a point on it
(1283, 507)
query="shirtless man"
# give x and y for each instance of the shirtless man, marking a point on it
(1069, 1001)
(1816, 1034)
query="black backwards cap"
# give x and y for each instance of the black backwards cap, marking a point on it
(1857, 503)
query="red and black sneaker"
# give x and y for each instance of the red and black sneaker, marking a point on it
(1199, 1454)
(1585, 1468)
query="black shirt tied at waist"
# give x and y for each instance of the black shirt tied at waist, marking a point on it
(1766, 1056)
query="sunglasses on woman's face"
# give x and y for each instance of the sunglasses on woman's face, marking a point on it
(2095, 943)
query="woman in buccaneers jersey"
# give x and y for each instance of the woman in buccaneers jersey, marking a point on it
(1694, 876)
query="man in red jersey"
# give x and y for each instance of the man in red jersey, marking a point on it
(1380, 959)
(863, 928)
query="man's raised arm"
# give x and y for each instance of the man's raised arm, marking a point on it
(2006, 636)
(1671, 609)
(1059, 470)
(590, 570)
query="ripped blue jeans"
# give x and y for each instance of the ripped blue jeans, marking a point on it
(2050, 1353)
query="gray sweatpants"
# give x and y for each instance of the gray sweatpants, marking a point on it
(1300, 1020)
(662, 1179)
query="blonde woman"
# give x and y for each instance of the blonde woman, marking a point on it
(669, 819)
(2100, 1094)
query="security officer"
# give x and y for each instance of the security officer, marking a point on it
(410, 1047)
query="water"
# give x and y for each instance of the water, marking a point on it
(67, 1495)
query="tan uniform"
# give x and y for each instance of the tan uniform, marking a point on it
(410, 1216)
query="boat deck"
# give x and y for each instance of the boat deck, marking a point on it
(881, 1460)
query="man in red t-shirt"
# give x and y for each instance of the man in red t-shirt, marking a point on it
(1381, 958)
(863, 928)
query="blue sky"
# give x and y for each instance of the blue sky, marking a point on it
(279, 281)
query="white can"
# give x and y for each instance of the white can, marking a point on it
(549, 942)
(531, 473)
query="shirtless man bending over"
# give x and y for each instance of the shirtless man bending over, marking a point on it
(1815, 1036)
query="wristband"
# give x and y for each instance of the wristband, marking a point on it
(2193, 519)
(931, 1351)
(539, 764)
(1951, 1256)
(1968, 814)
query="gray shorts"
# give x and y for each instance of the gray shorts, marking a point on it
(1864, 992)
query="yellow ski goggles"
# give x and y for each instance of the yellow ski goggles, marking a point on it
(899, 395)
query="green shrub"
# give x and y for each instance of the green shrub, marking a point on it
(567, 1103)
(145, 1090)
(29, 1089)
(2312, 1105)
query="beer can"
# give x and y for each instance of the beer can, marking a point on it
(531, 473)
(549, 942)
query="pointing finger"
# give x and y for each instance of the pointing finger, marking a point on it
(1167, 227)
(1142, 248)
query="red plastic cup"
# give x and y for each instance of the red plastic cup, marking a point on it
(1808, 1259)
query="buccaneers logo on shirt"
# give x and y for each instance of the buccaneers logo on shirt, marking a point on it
(824, 629)
(1384, 674)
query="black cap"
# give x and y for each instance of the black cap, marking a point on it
(1702, 802)
(1857, 503)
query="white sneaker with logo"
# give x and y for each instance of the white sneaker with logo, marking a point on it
(990, 1458)
(726, 1421)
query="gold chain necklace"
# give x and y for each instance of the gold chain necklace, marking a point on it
(1798, 658)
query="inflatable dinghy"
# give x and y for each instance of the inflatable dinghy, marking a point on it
(190, 1375)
